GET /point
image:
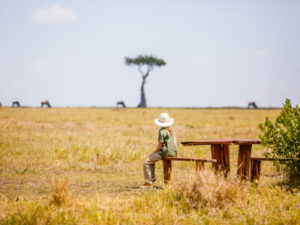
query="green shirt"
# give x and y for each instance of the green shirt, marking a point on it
(169, 143)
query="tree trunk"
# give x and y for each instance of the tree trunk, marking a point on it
(143, 97)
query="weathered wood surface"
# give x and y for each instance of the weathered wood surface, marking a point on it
(226, 141)
(226, 159)
(189, 159)
(167, 164)
(243, 166)
(217, 154)
(272, 159)
(167, 170)
(221, 154)
(255, 170)
(208, 142)
(246, 141)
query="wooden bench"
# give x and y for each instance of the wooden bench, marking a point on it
(256, 166)
(167, 164)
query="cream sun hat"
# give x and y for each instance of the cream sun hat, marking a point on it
(164, 120)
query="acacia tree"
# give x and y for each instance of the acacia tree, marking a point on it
(149, 62)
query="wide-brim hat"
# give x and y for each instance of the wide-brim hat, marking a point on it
(164, 120)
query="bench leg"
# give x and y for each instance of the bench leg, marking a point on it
(221, 154)
(244, 159)
(199, 166)
(167, 170)
(255, 170)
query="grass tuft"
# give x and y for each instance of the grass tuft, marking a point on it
(205, 189)
(60, 194)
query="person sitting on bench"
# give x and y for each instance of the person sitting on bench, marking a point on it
(167, 146)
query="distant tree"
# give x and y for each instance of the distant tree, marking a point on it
(144, 61)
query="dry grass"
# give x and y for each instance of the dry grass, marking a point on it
(100, 153)
(61, 194)
(205, 189)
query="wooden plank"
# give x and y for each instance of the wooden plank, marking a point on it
(255, 170)
(208, 142)
(189, 159)
(244, 161)
(226, 141)
(167, 170)
(270, 159)
(246, 141)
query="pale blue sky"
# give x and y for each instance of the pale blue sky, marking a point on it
(218, 53)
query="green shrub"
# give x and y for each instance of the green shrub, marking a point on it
(283, 138)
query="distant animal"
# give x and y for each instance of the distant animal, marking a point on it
(47, 103)
(121, 104)
(16, 104)
(252, 105)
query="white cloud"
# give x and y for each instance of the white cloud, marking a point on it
(53, 15)
(261, 52)
(39, 66)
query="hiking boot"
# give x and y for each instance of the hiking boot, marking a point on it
(146, 186)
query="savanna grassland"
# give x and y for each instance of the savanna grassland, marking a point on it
(83, 166)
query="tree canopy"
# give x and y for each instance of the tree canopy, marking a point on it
(145, 60)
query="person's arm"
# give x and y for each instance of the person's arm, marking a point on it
(159, 146)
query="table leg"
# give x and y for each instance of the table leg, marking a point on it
(217, 154)
(167, 170)
(226, 159)
(255, 170)
(221, 154)
(244, 159)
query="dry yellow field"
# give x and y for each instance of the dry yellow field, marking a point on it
(83, 166)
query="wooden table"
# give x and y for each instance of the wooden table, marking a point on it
(220, 152)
